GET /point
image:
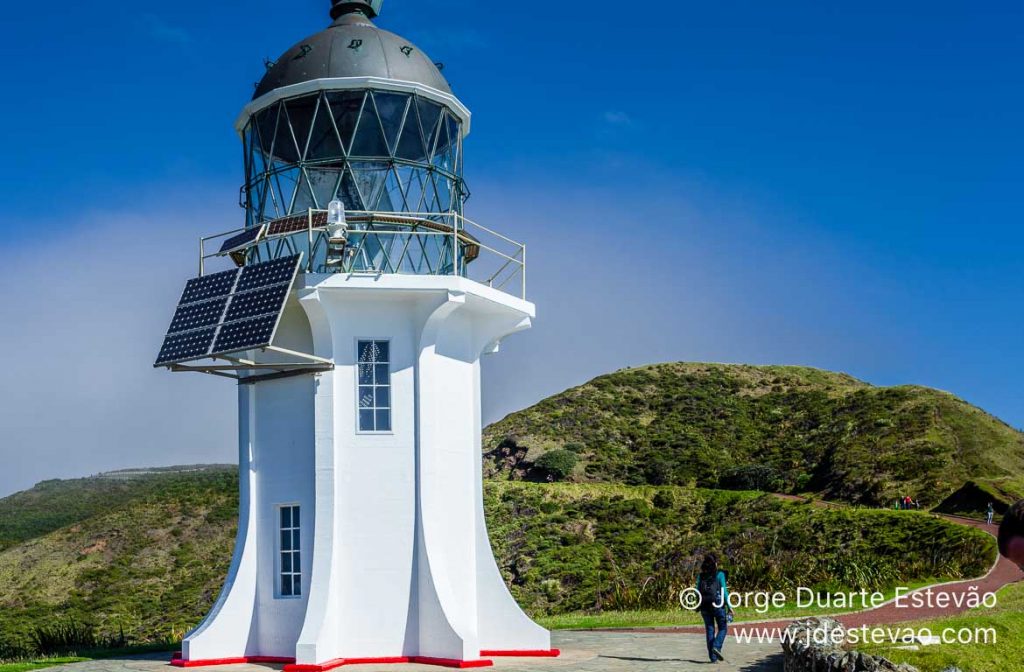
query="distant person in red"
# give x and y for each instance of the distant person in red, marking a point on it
(1011, 534)
(906, 502)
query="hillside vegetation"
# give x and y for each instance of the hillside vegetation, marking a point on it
(585, 547)
(775, 428)
(148, 562)
(974, 496)
(150, 565)
(53, 504)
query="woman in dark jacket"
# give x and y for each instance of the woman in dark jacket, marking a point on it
(714, 605)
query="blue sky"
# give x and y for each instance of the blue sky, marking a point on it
(830, 184)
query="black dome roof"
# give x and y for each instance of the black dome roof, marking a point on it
(352, 46)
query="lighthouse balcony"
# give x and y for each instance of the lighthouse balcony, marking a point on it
(376, 243)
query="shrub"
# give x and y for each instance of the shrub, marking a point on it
(575, 447)
(557, 464)
(64, 637)
(664, 500)
(752, 477)
(11, 650)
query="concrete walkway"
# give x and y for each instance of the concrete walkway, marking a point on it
(581, 652)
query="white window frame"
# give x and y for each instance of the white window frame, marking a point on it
(279, 552)
(391, 389)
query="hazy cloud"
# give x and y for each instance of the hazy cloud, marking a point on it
(617, 118)
(662, 271)
(159, 29)
(81, 331)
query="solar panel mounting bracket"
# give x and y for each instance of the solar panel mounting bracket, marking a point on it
(237, 367)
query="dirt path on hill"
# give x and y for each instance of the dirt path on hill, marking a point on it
(1003, 573)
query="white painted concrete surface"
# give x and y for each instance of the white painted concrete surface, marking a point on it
(395, 555)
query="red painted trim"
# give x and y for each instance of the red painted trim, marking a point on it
(534, 653)
(338, 662)
(178, 661)
(451, 662)
(291, 666)
(422, 660)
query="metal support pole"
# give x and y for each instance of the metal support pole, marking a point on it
(524, 272)
(455, 246)
(309, 240)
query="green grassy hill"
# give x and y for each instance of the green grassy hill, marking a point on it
(567, 547)
(974, 496)
(779, 428)
(146, 554)
(150, 559)
(53, 504)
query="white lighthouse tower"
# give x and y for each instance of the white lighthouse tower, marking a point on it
(353, 311)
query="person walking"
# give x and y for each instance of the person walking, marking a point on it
(990, 513)
(714, 601)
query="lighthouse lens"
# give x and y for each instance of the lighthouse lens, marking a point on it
(372, 150)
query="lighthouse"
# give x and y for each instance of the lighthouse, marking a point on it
(352, 309)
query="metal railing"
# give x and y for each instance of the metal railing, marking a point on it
(384, 243)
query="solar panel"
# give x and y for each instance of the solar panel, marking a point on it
(294, 223)
(241, 241)
(195, 315)
(245, 334)
(209, 286)
(185, 346)
(257, 302)
(229, 311)
(266, 274)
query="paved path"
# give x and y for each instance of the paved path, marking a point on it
(1002, 574)
(581, 652)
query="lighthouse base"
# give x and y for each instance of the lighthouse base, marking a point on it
(359, 544)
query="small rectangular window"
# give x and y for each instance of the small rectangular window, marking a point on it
(291, 562)
(374, 394)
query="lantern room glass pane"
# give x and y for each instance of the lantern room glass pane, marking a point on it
(324, 184)
(430, 114)
(324, 142)
(300, 116)
(391, 109)
(345, 107)
(369, 137)
(286, 148)
(410, 145)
